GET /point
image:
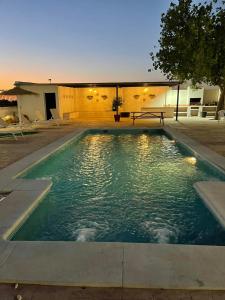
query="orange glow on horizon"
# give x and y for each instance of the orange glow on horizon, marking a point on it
(15, 72)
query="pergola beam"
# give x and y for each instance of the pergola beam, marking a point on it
(178, 96)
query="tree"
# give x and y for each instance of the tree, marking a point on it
(192, 44)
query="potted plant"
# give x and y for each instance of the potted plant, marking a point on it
(204, 114)
(117, 102)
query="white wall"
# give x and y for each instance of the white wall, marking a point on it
(95, 99)
(171, 99)
(72, 101)
(137, 98)
(67, 101)
(211, 95)
(31, 104)
(195, 93)
(163, 96)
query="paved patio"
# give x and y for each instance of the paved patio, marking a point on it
(208, 132)
(37, 292)
(12, 150)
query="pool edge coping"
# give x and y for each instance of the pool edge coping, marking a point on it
(206, 189)
(200, 151)
(186, 282)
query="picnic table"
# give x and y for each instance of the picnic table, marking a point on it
(147, 115)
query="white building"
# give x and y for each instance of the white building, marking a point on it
(94, 100)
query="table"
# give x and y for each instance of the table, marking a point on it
(147, 115)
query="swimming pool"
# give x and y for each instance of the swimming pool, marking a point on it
(123, 186)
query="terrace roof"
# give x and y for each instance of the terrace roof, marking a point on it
(106, 84)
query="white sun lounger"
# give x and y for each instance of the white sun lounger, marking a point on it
(56, 118)
(26, 121)
(40, 120)
(10, 129)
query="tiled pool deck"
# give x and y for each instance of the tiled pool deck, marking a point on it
(37, 292)
(117, 265)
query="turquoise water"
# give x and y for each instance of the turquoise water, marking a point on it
(123, 187)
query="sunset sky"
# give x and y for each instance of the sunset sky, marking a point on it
(78, 41)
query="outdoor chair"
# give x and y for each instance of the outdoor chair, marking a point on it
(221, 115)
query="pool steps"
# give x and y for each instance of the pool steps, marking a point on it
(213, 195)
(20, 203)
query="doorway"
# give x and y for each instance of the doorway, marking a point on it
(50, 102)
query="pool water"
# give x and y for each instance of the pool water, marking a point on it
(123, 187)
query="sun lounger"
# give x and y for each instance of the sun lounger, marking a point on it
(56, 118)
(10, 129)
(26, 120)
(40, 120)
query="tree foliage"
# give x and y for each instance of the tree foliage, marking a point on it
(192, 44)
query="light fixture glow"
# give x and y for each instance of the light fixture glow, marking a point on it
(191, 160)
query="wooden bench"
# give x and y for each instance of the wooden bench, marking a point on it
(148, 115)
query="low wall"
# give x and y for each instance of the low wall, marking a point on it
(168, 113)
(96, 114)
